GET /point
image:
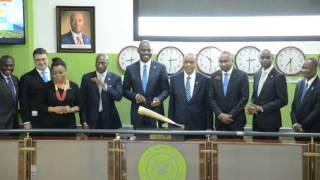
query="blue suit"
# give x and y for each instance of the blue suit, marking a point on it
(68, 39)
(195, 113)
(157, 86)
(91, 98)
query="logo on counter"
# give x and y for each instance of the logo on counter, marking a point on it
(162, 162)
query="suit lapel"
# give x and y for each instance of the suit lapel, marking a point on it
(233, 76)
(309, 91)
(37, 76)
(3, 86)
(257, 80)
(181, 86)
(152, 72)
(219, 78)
(267, 81)
(96, 89)
(196, 86)
(137, 71)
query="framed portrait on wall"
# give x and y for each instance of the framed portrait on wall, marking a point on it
(75, 29)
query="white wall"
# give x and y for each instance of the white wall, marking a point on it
(114, 29)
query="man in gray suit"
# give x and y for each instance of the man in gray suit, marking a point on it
(8, 94)
(145, 84)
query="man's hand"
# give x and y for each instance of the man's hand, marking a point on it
(254, 109)
(297, 127)
(140, 99)
(251, 109)
(85, 126)
(225, 118)
(99, 82)
(155, 102)
(27, 126)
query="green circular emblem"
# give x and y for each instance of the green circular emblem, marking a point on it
(162, 162)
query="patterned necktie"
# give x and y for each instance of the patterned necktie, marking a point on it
(11, 87)
(188, 89)
(144, 78)
(100, 92)
(305, 89)
(225, 83)
(79, 40)
(44, 76)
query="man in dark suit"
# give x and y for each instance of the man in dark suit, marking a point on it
(228, 95)
(305, 109)
(32, 89)
(188, 93)
(99, 90)
(269, 96)
(145, 84)
(75, 35)
(8, 94)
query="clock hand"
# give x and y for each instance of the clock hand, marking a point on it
(290, 61)
(131, 60)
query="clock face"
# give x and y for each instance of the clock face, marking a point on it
(208, 59)
(127, 56)
(247, 59)
(290, 60)
(172, 58)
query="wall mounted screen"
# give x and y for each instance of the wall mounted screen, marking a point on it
(12, 22)
(226, 20)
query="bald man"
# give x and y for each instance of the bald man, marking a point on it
(76, 35)
(269, 95)
(305, 110)
(145, 84)
(188, 93)
(228, 95)
(100, 90)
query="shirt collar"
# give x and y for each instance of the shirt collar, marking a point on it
(311, 80)
(229, 72)
(74, 34)
(192, 75)
(4, 76)
(46, 70)
(147, 63)
(104, 73)
(267, 70)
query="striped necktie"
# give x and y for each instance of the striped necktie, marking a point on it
(188, 89)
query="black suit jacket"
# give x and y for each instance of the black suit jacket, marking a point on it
(272, 98)
(8, 105)
(194, 114)
(32, 89)
(91, 98)
(307, 112)
(233, 103)
(157, 86)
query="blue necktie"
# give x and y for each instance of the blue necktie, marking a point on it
(144, 78)
(188, 89)
(11, 87)
(44, 76)
(225, 83)
(305, 89)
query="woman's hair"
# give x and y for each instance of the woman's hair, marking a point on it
(56, 61)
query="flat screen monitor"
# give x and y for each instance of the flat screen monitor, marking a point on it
(12, 24)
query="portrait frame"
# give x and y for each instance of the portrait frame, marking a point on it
(75, 29)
